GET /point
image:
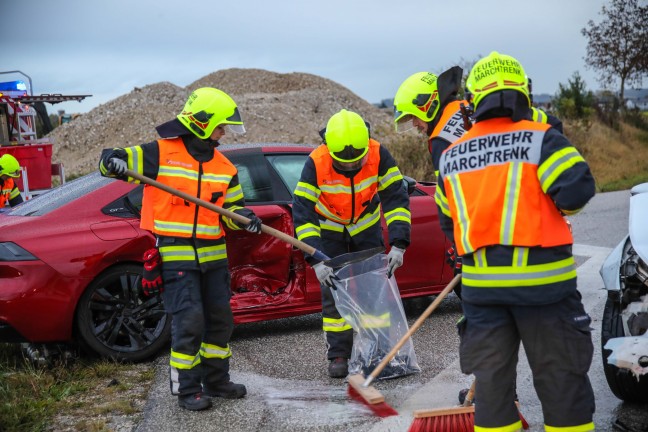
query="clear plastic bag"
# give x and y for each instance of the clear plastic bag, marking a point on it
(371, 304)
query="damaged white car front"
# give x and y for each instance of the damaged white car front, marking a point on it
(624, 334)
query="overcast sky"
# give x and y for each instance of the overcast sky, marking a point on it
(107, 47)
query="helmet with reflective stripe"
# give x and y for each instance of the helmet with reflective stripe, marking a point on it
(496, 72)
(9, 165)
(417, 96)
(347, 136)
(208, 108)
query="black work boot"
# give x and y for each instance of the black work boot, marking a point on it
(194, 402)
(227, 390)
(338, 367)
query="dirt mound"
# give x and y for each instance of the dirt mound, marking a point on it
(275, 108)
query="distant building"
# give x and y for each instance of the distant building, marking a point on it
(637, 98)
(385, 103)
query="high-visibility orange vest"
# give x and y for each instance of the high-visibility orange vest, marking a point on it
(450, 125)
(5, 192)
(168, 215)
(494, 194)
(338, 201)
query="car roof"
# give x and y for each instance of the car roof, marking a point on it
(267, 147)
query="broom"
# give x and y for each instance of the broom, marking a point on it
(360, 388)
(304, 247)
(455, 419)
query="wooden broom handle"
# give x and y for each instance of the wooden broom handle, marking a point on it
(468, 400)
(306, 248)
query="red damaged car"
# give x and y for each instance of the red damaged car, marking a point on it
(71, 259)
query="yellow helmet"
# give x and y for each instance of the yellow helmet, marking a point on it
(9, 165)
(347, 136)
(417, 96)
(496, 72)
(208, 108)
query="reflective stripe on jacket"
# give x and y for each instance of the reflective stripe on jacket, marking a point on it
(537, 115)
(450, 125)
(495, 190)
(448, 129)
(168, 215)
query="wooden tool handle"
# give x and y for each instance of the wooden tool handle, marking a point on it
(418, 323)
(230, 214)
(468, 400)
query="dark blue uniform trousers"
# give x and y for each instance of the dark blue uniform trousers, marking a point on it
(558, 344)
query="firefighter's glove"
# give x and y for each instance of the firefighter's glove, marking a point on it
(152, 277)
(255, 224)
(457, 266)
(453, 260)
(117, 166)
(451, 256)
(394, 260)
(325, 274)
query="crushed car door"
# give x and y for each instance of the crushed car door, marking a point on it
(260, 264)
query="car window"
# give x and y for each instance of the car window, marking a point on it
(253, 177)
(289, 167)
(126, 206)
(57, 197)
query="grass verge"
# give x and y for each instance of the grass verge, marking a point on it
(82, 395)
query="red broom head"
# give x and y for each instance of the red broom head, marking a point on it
(525, 424)
(380, 409)
(461, 422)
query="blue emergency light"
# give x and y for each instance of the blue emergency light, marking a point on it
(13, 89)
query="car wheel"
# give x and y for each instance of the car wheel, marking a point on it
(114, 319)
(622, 382)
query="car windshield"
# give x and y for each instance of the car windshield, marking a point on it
(57, 197)
(289, 167)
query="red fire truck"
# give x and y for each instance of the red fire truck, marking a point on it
(19, 110)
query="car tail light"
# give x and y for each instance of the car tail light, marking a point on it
(12, 252)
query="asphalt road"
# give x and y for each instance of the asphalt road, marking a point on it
(283, 362)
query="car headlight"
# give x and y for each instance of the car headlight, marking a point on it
(12, 252)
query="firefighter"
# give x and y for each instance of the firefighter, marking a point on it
(190, 239)
(429, 103)
(503, 189)
(9, 169)
(343, 186)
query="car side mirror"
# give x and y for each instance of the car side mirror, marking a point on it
(410, 184)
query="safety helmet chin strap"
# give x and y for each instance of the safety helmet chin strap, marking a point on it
(212, 142)
(448, 84)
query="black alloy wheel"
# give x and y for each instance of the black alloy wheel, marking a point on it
(115, 320)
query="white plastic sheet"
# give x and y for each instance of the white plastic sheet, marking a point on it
(371, 304)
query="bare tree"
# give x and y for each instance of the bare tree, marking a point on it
(618, 45)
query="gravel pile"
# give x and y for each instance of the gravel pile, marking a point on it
(275, 108)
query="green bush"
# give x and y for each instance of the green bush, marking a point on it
(573, 101)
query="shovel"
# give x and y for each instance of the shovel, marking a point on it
(307, 249)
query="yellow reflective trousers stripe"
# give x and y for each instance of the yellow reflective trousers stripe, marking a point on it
(514, 427)
(214, 351)
(580, 428)
(335, 325)
(183, 361)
